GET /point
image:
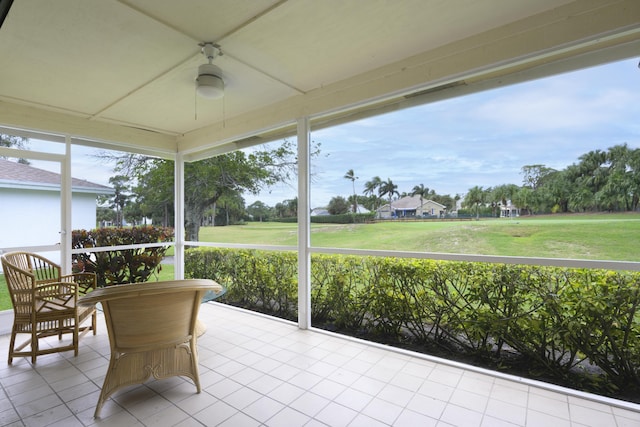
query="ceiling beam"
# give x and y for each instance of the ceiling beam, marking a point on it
(112, 135)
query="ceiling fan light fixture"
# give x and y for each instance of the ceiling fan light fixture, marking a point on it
(209, 83)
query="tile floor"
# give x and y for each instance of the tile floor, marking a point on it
(260, 371)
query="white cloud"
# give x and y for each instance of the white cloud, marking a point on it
(485, 139)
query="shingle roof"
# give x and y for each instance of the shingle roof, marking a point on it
(18, 172)
(411, 202)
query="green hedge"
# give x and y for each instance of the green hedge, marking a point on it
(348, 218)
(123, 265)
(563, 323)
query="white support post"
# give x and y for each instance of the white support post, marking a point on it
(304, 236)
(179, 217)
(65, 209)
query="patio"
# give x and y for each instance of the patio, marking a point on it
(257, 370)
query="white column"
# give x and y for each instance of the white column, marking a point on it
(178, 225)
(65, 209)
(304, 236)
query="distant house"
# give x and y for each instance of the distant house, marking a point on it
(509, 211)
(411, 207)
(30, 205)
(319, 212)
(325, 211)
(360, 209)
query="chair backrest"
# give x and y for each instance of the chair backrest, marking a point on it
(20, 281)
(144, 316)
(22, 271)
(43, 269)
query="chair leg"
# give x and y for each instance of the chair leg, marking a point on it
(76, 340)
(34, 345)
(12, 344)
(108, 386)
(101, 401)
(194, 364)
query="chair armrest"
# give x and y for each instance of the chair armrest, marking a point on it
(86, 282)
(63, 291)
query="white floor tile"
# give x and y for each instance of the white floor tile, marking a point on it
(382, 410)
(309, 404)
(411, 419)
(336, 415)
(264, 408)
(288, 418)
(258, 371)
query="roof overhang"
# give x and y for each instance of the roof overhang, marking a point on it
(121, 74)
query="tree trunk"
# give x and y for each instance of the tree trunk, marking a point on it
(192, 218)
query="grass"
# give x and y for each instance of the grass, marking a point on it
(601, 237)
(593, 236)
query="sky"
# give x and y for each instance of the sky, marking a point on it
(450, 146)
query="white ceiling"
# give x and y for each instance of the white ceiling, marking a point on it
(125, 70)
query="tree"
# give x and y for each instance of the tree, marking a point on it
(350, 175)
(259, 210)
(422, 191)
(155, 191)
(134, 213)
(534, 177)
(623, 175)
(338, 205)
(371, 190)
(556, 188)
(15, 142)
(231, 209)
(207, 181)
(120, 198)
(388, 188)
(503, 194)
(287, 208)
(533, 174)
(105, 216)
(475, 197)
(634, 172)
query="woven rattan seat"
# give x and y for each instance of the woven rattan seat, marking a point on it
(45, 304)
(152, 331)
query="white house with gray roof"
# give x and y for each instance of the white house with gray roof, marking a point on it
(30, 205)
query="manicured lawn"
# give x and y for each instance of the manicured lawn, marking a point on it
(596, 237)
(607, 237)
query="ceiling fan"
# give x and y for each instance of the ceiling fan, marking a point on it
(209, 83)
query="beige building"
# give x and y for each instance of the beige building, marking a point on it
(412, 207)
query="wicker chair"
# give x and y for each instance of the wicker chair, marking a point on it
(45, 304)
(152, 331)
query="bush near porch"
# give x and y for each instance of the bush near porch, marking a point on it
(123, 265)
(576, 327)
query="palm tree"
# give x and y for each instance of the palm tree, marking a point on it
(388, 188)
(371, 188)
(350, 175)
(475, 196)
(594, 171)
(422, 191)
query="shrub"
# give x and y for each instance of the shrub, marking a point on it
(568, 325)
(123, 265)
